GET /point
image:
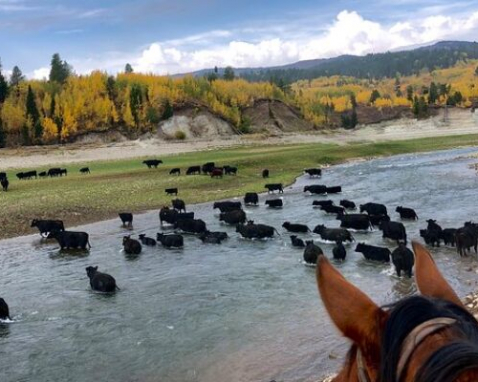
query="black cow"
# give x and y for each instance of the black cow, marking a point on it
(126, 218)
(5, 184)
(85, 170)
(403, 259)
(233, 217)
(265, 173)
(359, 222)
(406, 213)
(70, 239)
(448, 235)
(339, 251)
(336, 210)
(333, 234)
(4, 311)
(255, 231)
(168, 241)
(102, 282)
(26, 175)
(175, 171)
(316, 189)
(20, 176)
(171, 216)
(377, 219)
(63, 171)
(147, 240)
(372, 252)
(42, 174)
(193, 170)
(374, 209)
(152, 163)
(466, 238)
(393, 230)
(227, 206)
(320, 203)
(433, 226)
(296, 228)
(47, 226)
(213, 237)
(312, 252)
(334, 190)
(171, 191)
(274, 203)
(3, 175)
(313, 172)
(230, 170)
(194, 226)
(296, 242)
(217, 173)
(431, 237)
(131, 246)
(54, 172)
(347, 204)
(271, 187)
(251, 198)
(178, 204)
(208, 167)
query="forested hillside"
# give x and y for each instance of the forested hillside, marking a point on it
(67, 105)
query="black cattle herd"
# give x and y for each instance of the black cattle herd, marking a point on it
(184, 222)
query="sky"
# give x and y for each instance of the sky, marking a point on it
(180, 36)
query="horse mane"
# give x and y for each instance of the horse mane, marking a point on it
(448, 362)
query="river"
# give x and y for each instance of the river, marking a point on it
(241, 311)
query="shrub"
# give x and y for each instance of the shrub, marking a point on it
(180, 135)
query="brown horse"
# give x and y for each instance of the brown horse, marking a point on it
(427, 338)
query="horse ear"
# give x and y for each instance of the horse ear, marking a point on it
(351, 310)
(429, 279)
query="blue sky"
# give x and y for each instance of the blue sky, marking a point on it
(166, 36)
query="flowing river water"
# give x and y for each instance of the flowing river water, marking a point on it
(241, 311)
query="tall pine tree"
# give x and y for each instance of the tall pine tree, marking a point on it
(3, 86)
(60, 70)
(33, 114)
(16, 77)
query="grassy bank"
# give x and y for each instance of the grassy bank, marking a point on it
(129, 186)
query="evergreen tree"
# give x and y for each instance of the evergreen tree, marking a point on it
(168, 111)
(16, 77)
(33, 114)
(433, 93)
(59, 70)
(3, 86)
(410, 93)
(135, 102)
(128, 68)
(2, 134)
(374, 96)
(229, 74)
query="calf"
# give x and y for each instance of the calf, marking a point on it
(347, 204)
(229, 170)
(406, 213)
(374, 209)
(126, 218)
(403, 260)
(359, 222)
(152, 163)
(334, 190)
(339, 251)
(5, 184)
(448, 236)
(296, 242)
(393, 230)
(131, 246)
(4, 311)
(178, 204)
(233, 217)
(336, 210)
(296, 228)
(147, 240)
(171, 191)
(168, 241)
(175, 171)
(371, 252)
(216, 173)
(251, 198)
(333, 234)
(194, 226)
(274, 203)
(227, 205)
(265, 173)
(101, 282)
(313, 172)
(43, 174)
(85, 170)
(320, 203)
(271, 187)
(47, 226)
(312, 252)
(193, 170)
(316, 189)
(70, 239)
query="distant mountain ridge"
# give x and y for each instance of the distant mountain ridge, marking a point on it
(440, 55)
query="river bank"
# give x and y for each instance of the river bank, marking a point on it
(121, 185)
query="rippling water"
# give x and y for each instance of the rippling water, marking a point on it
(242, 311)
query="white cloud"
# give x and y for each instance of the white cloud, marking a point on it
(40, 74)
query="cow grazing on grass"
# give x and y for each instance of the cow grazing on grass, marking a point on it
(131, 246)
(265, 173)
(193, 170)
(230, 170)
(5, 183)
(175, 171)
(85, 170)
(208, 167)
(101, 282)
(42, 174)
(152, 163)
(217, 173)
(171, 191)
(3, 175)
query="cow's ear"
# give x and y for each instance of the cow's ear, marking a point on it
(429, 279)
(96, 268)
(351, 310)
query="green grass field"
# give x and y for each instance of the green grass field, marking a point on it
(128, 185)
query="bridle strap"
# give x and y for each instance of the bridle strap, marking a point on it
(414, 338)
